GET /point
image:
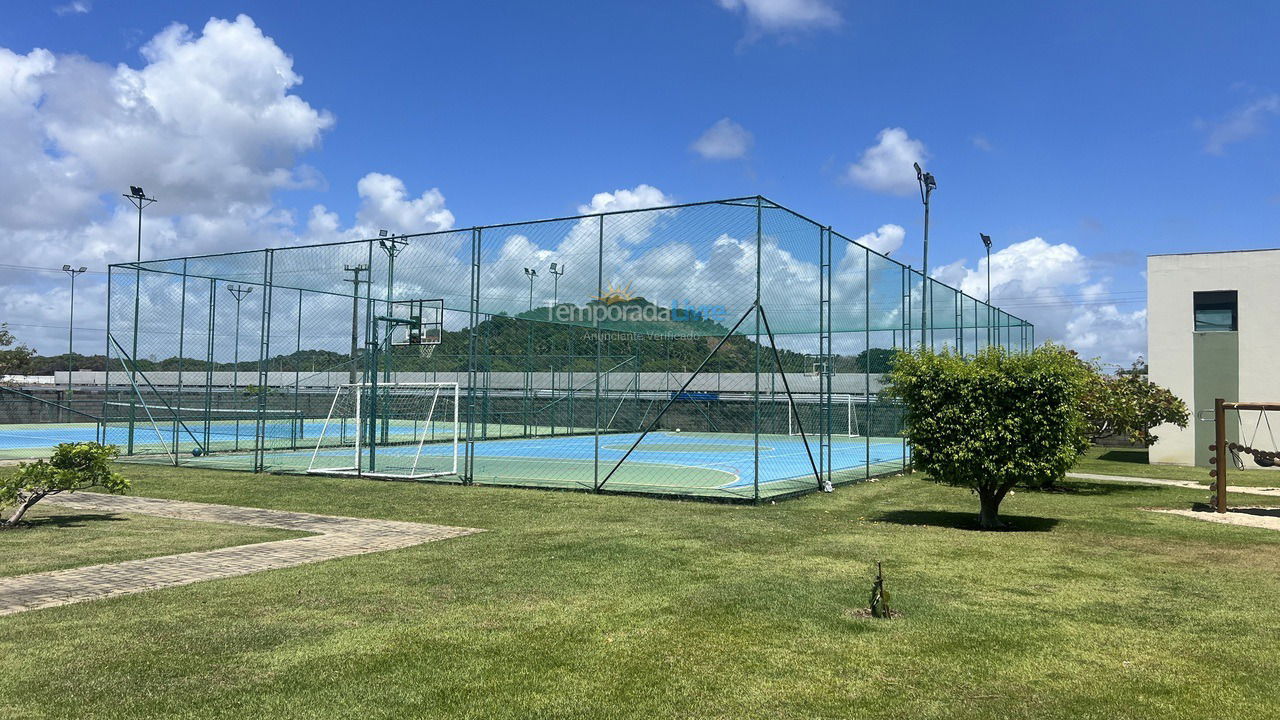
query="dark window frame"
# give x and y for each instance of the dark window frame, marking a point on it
(1215, 302)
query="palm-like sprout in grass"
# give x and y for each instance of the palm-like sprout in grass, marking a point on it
(992, 421)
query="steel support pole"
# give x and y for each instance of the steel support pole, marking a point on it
(595, 323)
(755, 457)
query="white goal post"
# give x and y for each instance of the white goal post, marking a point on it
(844, 421)
(405, 431)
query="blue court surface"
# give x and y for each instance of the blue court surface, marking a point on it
(664, 462)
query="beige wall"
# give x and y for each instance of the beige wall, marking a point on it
(1171, 280)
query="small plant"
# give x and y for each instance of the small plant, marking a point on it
(73, 466)
(880, 597)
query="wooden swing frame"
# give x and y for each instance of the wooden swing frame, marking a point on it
(1221, 447)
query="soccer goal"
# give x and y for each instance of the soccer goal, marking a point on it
(390, 430)
(844, 421)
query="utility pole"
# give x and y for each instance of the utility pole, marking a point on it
(392, 246)
(238, 292)
(355, 281)
(927, 186)
(71, 323)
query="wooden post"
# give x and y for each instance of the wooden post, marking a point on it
(1220, 452)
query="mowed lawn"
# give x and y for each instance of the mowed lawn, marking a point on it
(583, 606)
(1133, 462)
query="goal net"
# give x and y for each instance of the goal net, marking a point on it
(392, 430)
(807, 414)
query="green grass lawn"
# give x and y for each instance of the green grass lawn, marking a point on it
(1133, 462)
(55, 538)
(585, 606)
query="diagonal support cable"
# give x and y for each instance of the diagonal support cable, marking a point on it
(138, 392)
(790, 400)
(677, 394)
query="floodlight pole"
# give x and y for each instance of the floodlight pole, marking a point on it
(986, 242)
(532, 274)
(71, 322)
(927, 186)
(556, 271)
(355, 281)
(139, 199)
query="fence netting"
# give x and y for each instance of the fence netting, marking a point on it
(730, 349)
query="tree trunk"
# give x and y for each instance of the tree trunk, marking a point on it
(23, 507)
(989, 515)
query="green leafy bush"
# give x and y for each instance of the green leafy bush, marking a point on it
(73, 466)
(992, 421)
(1129, 405)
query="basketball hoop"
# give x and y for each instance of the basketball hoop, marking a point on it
(417, 323)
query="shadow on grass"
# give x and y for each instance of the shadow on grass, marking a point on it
(965, 520)
(78, 520)
(1273, 512)
(1136, 457)
(1074, 486)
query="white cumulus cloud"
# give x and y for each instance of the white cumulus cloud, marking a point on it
(885, 239)
(725, 140)
(887, 166)
(386, 204)
(210, 124)
(1056, 288)
(641, 196)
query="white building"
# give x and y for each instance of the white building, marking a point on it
(1212, 333)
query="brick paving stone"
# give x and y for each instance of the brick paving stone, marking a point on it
(334, 537)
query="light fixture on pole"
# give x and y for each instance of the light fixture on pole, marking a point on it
(556, 271)
(986, 243)
(139, 199)
(71, 321)
(532, 274)
(927, 186)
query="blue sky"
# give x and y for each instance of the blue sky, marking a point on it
(1107, 130)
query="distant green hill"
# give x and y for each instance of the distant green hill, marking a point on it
(528, 341)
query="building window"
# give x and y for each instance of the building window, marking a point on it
(1215, 311)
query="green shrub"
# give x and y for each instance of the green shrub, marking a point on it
(992, 421)
(1129, 405)
(73, 466)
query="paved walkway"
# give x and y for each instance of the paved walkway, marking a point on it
(335, 537)
(1274, 492)
(1258, 517)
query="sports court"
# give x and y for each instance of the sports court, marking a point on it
(731, 349)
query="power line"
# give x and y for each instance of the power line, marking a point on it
(7, 266)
